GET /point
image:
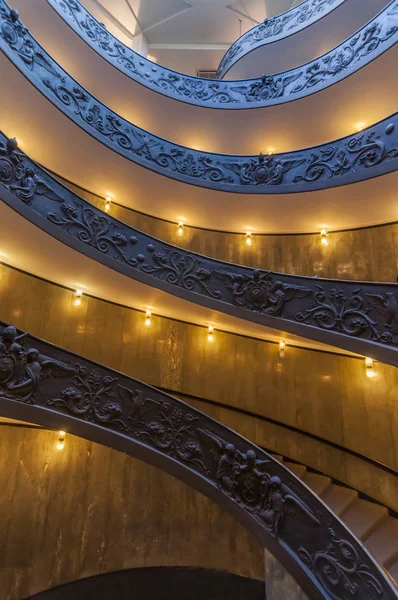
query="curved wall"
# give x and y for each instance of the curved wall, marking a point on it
(93, 510)
(333, 22)
(276, 113)
(368, 254)
(333, 399)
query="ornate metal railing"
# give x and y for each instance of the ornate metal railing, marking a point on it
(357, 51)
(357, 316)
(273, 29)
(356, 157)
(44, 384)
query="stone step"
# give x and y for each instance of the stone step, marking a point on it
(298, 470)
(363, 517)
(339, 498)
(318, 483)
(383, 542)
(277, 457)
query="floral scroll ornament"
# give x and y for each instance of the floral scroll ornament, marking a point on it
(339, 568)
(335, 311)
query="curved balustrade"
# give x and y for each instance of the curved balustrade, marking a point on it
(357, 51)
(275, 28)
(344, 161)
(358, 316)
(46, 385)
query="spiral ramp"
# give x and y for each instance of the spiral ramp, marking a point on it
(232, 242)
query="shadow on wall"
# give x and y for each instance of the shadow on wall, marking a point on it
(159, 583)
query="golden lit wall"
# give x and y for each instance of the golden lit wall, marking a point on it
(321, 393)
(369, 254)
(70, 514)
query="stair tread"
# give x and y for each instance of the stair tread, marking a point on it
(277, 457)
(339, 498)
(363, 516)
(318, 483)
(298, 470)
(383, 541)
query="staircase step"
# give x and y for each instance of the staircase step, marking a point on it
(362, 517)
(393, 572)
(277, 457)
(318, 483)
(339, 498)
(383, 542)
(298, 470)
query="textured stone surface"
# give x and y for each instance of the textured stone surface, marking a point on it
(89, 510)
(278, 583)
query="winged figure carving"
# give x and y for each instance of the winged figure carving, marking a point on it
(387, 306)
(30, 184)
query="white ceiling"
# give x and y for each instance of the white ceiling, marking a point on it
(185, 35)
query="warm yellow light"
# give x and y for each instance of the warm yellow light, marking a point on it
(360, 127)
(148, 317)
(324, 237)
(61, 440)
(78, 297)
(369, 367)
(248, 238)
(210, 335)
(282, 349)
(271, 151)
(108, 202)
(180, 228)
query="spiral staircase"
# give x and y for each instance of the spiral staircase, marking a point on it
(232, 243)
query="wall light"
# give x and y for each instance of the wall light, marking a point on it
(148, 315)
(108, 202)
(369, 367)
(248, 238)
(61, 440)
(324, 237)
(271, 151)
(282, 349)
(210, 334)
(78, 297)
(180, 228)
(360, 127)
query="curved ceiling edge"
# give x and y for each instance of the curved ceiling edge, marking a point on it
(351, 55)
(280, 26)
(65, 391)
(356, 316)
(350, 159)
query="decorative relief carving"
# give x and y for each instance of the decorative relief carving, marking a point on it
(336, 311)
(260, 91)
(287, 23)
(367, 312)
(300, 170)
(248, 481)
(340, 570)
(34, 372)
(22, 369)
(26, 182)
(261, 291)
(182, 269)
(93, 228)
